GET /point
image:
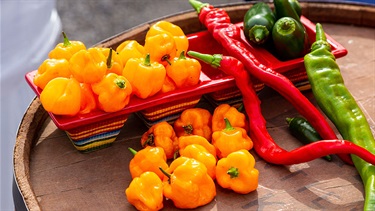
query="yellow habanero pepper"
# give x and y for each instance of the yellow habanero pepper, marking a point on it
(62, 96)
(230, 139)
(146, 192)
(183, 71)
(146, 77)
(237, 172)
(187, 183)
(235, 117)
(113, 92)
(184, 141)
(66, 49)
(148, 159)
(130, 49)
(182, 42)
(202, 155)
(88, 66)
(161, 135)
(50, 69)
(114, 62)
(194, 121)
(161, 48)
(88, 99)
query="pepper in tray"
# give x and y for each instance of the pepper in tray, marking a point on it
(194, 121)
(340, 106)
(66, 49)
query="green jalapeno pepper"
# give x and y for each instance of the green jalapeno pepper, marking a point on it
(341, 108)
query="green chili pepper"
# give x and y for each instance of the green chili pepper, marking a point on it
(258, 23)
(287, 8)
(304, 132)
(341, 108)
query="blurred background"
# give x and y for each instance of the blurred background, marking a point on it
(30, 29)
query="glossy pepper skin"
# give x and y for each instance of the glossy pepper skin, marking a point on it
(235, 117)
(201, 154)
(114, 92)
(187, 183)
(183, 71)
(264, 145)
(237, 172)
(340, 106)
(50, 69)
(161, 135)
(89, 101)
(228, 35)
(130, 49)
(161, 47)
(146, 77)
(66, 49)
(230, 139)
(146, 192)
(62, 96)
(194, 121)
(160, 27)
(184, 141)
(114, 61)
(148, 159)
(88, 66)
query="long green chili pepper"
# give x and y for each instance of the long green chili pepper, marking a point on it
(341, 108)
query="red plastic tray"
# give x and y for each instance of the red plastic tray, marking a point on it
(211, 79)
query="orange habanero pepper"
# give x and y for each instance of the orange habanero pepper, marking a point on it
(148, 159)
(130, 49)
(146, 77)
(62, 96)
(184, 141)
(66, 49)
(161, 48)
(146, 192)
(194, 121)
(182, 42)
(237, 172)
(187, 183)
(235, 117)
(88, 66)
(113, 92)
(161, 135)
(114, 62)
(230, 139)
(50, 69)
(88, 99)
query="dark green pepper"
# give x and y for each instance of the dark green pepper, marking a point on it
(341, 108)
(289, 38)
(304, 132)
(296, 6)
(258, 23)
(287, 8)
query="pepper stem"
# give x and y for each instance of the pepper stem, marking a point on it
(120, 83)
(289, 120)
(228, 126)
(109, 59)
(182, 55)
(321, 39)
(66, 40)
(188, 129)
(132, 150)
(149, 141)
(233, 172)
(147, 61)
(213, 60)
(165, 173)
(197, 5)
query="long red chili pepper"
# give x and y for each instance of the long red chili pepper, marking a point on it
(229, 35)
(264, 145)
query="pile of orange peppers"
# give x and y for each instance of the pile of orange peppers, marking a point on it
(182, 161)
(77, 80)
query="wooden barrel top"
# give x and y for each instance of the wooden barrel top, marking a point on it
(52, 175)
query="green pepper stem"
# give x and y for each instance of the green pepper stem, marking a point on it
(188, 129)
(228, 126)
(197, 5)
(233, 172)
(109, 59)
(182, 55)
(213, 60)
(241, 108)
(147, 61)
(289, 120)
(120, 83)
(132, 150)
(320, 39)
(66, 40)
(149, 141)
(165, 173)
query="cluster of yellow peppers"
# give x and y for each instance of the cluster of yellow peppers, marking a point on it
(76, 80)
(181, 161)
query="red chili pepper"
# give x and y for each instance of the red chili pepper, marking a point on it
(229, 35)
(264, 145)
